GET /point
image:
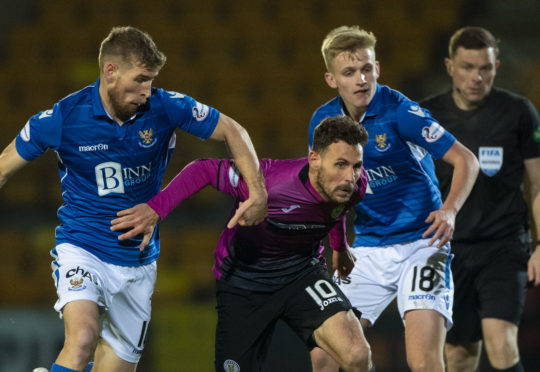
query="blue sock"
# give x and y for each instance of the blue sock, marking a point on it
(58, 368)
(88, 367)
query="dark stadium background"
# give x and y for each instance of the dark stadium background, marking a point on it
(257, 61)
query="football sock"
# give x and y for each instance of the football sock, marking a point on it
(58, 368)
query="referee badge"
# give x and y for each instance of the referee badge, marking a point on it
(490, 159)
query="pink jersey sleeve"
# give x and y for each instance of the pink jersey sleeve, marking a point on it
(218, 173)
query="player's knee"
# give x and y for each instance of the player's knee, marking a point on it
(502, 352)
(322, 361)
(82, 342)
(462, 357)
(357, 359)
(426, 364)
(501, 345)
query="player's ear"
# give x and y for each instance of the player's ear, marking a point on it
(329, 78)
(109, 70)
(314, 160)
(449, 66)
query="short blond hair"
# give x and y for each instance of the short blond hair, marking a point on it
(346, 39)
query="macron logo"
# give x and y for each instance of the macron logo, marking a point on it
(290, 209)
(175, 94)
(45, 114)
(416, 110)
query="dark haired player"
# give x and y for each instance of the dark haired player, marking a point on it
(275, 270)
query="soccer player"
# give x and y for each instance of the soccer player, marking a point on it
(275, 270)
(114, 139)
(491, 241)
(402, 227)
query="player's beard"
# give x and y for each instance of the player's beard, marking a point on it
(122, 112)
(328, 194)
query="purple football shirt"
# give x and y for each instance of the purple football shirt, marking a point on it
(284, 246)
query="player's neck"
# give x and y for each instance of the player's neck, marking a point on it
(463, 104)
(107, 106)
(356, 113)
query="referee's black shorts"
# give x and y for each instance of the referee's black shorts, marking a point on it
(246, 320)
(490, 281)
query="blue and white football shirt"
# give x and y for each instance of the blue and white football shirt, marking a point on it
(402, 186)
(105, 167)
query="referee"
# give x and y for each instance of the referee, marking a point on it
(491, 238)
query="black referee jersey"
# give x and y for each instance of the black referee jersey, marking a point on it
(502, 133)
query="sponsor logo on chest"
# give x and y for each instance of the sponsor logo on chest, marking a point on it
(111, 177)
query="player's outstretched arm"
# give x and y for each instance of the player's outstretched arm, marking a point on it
(532, 168)
(442, 221)
(141, 219)
(10, 162)
(254, 210)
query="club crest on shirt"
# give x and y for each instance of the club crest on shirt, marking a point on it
(231, 366)
(336, 212)
(382, 144)
(76, 284)
(147, 138)
(490, 159)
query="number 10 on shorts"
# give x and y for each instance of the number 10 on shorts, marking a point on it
(323, 293)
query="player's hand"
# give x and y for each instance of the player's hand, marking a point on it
(533, 268)
(251, 211)
(141, 219)
(343, 262)
(442, 224)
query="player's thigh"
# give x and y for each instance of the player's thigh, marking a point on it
(426, 281)
(341, 336)
(500, 337)
(106, 360)
(81, 323)
(128, 296)
(311, 301)
(245, 326)
(373, 282)
(424, 330)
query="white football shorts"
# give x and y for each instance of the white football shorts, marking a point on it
(419, 275)
(123, 294)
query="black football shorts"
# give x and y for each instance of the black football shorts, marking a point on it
(246, 320)
(490, 281)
